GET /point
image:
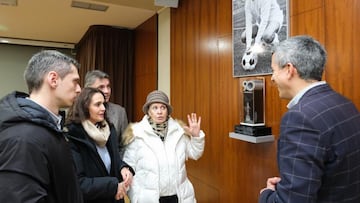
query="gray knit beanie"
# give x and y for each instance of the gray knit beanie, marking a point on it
(157, 96)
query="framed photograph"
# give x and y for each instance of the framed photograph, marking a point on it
(258, 25)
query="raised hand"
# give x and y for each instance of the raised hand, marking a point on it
(194, 125)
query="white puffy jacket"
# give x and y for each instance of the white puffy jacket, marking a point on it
(144, 151)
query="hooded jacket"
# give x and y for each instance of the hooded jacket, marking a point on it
(144, 150)
(97, 184)
(35, 160)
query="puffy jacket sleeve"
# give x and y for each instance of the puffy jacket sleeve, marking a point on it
(195, 146)
(130, 157)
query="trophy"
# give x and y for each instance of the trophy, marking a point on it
(253, 123)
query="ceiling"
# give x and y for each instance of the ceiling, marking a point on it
(57, 21)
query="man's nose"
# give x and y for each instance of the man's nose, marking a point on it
(78, 88)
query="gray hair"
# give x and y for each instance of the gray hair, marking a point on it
(91, 77)
(306, 54)
(42, 63)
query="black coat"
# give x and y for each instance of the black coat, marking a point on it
(97, 185)
(35, 160)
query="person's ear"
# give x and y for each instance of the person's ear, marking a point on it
(52, 79)
(291, 70)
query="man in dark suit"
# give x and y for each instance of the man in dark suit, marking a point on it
(115, 113)
(319, 142)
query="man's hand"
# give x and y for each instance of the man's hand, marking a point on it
(271, 183)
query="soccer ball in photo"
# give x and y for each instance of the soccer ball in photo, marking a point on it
(249, 60)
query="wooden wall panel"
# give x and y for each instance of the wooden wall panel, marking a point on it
(201, 80)
(145, 64)
(193, 54)
(304, 6)
(307, 17)
(343, 47)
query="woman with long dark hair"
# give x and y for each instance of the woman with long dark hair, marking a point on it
(103, 176)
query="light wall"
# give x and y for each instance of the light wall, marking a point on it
(164, 50)
(12, 66)
(13, 61)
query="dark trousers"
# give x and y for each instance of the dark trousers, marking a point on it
(169, 199)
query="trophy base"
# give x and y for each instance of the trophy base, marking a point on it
(253, 130)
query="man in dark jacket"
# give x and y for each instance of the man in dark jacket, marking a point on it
(35, 161)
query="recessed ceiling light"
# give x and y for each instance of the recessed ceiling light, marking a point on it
(8, 2)
(167, 3)
(85, 5)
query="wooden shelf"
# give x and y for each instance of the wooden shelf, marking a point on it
(252, 139)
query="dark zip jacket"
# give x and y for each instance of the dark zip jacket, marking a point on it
(35, 159)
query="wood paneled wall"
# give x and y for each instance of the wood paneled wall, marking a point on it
(343, 46)
(201, 81)
(145, 64)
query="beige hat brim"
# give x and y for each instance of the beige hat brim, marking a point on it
(146, 106)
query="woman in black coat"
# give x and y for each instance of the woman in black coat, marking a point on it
(103, 176)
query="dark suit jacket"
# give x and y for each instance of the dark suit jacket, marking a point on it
(318, 150)
(117, 116)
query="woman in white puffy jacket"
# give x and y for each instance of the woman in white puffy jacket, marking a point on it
(157, 148)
